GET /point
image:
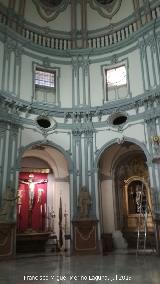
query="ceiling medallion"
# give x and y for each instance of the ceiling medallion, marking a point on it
(50, 9)
(106, 8)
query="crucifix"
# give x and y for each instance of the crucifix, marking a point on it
(31, 193)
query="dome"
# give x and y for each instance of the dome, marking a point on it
(84, 24)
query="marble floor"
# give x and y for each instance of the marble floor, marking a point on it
(54, 269)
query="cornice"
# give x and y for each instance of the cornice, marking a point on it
(16, 106)
(6, 32)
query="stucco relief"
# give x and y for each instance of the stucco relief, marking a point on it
(51, 3)
(50, 9)
(106, 8)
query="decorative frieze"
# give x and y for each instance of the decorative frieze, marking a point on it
(16, 107)
(83, 129)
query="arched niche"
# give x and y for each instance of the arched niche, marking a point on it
(137, 202)
(117, 163)
(48, 202)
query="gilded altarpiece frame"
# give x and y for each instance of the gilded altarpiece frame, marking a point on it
(133, 186)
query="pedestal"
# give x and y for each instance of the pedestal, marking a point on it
(7, 239)
(85, 240)
(31, 242)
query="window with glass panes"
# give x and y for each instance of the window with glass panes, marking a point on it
(44, 79)
(116, 83)
(45, 85)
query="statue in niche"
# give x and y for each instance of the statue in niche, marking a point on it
(84, 202)
(137, 199)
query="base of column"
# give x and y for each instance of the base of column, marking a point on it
(7, 239)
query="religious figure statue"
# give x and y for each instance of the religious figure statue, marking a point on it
(20, 195)
(31, 186)
(84, 202)
(40, 192)
(139, 198)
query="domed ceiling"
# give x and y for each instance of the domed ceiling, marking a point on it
(50, 9)
(106, 8)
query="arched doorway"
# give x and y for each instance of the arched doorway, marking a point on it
(122, 170)
(43, 210)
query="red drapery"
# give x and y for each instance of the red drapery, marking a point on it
(39, 203)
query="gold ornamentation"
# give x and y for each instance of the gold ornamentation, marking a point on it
(136, 180)
(30, 170)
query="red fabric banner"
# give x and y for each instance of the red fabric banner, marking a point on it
(33, 199)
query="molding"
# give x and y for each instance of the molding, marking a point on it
(107, 10)
(15, 106)
(50, 12)
(80, 121)
(47, 143)
(115, 141)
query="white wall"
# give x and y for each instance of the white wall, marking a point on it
(96, 85)
(26, 83)
(65, 85)
(30, 136)
(65, 80)
(97, 91)
(135, 72)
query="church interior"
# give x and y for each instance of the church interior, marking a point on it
(80, 141)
